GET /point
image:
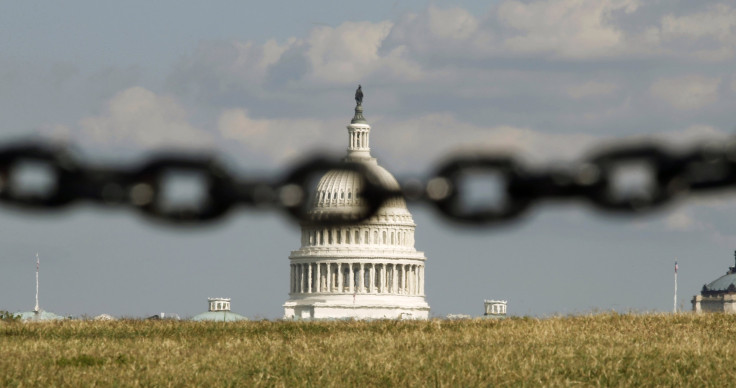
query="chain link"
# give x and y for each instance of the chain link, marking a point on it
(704, 167)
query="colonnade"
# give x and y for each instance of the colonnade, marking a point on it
(358, 235)
(357, 278)
(359, 138)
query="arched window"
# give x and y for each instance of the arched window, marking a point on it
(383, 241)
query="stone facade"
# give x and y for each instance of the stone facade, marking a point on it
(724, 303)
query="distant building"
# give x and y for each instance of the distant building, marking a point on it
(718, 295)
(172, 316)
(367, 270)
(495, 308)
(105, 317)
(219, 310)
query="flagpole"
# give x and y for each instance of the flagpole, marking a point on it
(37, 265)
(674, 308)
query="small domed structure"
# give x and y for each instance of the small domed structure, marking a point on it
(368, 270)
(219, 310)
(718, 295)
(495, 308)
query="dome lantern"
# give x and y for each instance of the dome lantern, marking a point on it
(358, 132)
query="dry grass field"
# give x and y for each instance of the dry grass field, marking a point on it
(601, 349)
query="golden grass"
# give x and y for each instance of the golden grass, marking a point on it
(605, 349)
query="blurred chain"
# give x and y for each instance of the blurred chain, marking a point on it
(704, 167)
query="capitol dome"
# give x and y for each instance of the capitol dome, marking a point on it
(368, 270)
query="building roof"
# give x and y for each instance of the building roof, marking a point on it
(725, 283)
(219, 316)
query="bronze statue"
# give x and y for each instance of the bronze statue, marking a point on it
(359, 96)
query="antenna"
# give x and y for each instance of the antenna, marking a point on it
(38, 262)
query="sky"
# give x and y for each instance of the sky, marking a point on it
(263, 84)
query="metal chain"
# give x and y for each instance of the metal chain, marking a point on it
(704, 167)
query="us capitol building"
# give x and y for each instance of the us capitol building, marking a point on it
(368, 270)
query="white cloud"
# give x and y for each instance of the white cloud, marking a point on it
(709, 35)
(687, 92)
(591, 89)
(426, 139)
(717, 22)
(280, 139)
(350, 52)
(565, 28)
(139, 117)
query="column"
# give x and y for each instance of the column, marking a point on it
(328, 274)
(300, 268)
(351, 278)
(361, 278)
(340, 288)
(372, 279)
(415, 277)
(421, 280)
(394, 279)
(409, 282)
(294, 287)
(319, 278)
(291, 278)
(405, 278)
(416, 280)
(309, 278)
(383, 279)
(400, 278)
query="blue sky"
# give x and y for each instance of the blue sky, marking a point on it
(263, 85)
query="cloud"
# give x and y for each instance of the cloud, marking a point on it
(279, 139)
(566, 28)
(427, 139)
(687, 92)
(711, 34)
(350, 52)
(140, 118)
(591, 89)
(682, 221)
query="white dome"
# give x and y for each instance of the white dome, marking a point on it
(339, 191)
